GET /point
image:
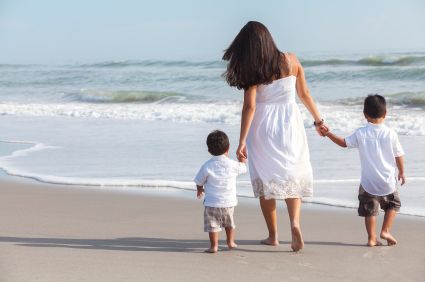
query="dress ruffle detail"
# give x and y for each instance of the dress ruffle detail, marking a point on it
(274, 189)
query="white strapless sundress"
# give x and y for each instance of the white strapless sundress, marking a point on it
(278, 154)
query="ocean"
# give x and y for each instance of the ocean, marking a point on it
(143, 123)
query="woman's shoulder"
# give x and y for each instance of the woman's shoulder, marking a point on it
(292, 57)
(291, 61)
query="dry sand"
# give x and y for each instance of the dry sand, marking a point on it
(64, 233)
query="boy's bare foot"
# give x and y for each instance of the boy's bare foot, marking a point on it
(390, 239)
(297, 239)
(232, 245)
(270, 242)
(373, 243)
(211, 250)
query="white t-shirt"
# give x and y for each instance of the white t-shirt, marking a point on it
(378, 146)
(218, 176)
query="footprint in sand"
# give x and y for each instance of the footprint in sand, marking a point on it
(368, 255)
(306, 264)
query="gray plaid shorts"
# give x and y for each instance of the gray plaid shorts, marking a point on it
(215, 219)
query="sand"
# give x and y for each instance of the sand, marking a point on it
(67, 233)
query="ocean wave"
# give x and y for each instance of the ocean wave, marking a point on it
(155, 63)
(373, 61)
(382, 74)
(406, 121)
(123, 96)
(408, 99)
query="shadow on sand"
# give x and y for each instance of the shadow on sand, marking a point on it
(151, 244)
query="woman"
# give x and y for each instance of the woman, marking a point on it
(272, 133)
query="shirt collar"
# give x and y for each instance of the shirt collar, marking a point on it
(375, 125)
(219, 157)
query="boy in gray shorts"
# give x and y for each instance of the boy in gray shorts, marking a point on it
(381, 155)
(217, 179)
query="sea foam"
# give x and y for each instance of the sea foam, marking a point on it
(405, 121)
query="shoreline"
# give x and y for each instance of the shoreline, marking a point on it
(329, 192)
(60, 233)
(156, 191)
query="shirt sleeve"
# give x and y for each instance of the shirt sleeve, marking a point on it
(241, 168)
(352, 141)
(397, 149)
(238, 167)
(201, 176)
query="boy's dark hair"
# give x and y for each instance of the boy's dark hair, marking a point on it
(375, 106)
(218, 143)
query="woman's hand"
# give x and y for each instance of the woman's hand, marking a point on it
(322, 129)
(241, 153)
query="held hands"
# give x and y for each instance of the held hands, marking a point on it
(321, 128)
(241, 153)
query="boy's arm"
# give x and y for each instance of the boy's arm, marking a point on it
(336, 139)
(200, 191)
(400, 165)
(200, 180)
(242, 167)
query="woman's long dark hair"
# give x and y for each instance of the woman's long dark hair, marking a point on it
(253, 58)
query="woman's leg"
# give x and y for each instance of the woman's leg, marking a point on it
(294, 211)
(268, 207)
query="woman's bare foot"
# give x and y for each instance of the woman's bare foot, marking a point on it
(270, 242)
(373, 243)
(232, 245)
(211, 250)
(297, 239)
(390, 239)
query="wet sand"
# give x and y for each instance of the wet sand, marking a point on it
(68, 233)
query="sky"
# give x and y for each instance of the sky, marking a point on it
(52, 31)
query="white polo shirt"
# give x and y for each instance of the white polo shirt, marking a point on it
(378, 146)
(218, 176)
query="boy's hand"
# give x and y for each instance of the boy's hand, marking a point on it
(200, 193)
(401, 178)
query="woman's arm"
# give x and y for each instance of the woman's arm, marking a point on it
(248, 110)
(304, 93)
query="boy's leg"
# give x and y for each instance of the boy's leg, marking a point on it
(230, 233)
(370, 222)
(386, 227)
(369, 208)
(212, 226)
(214, 242)
(391, 204)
